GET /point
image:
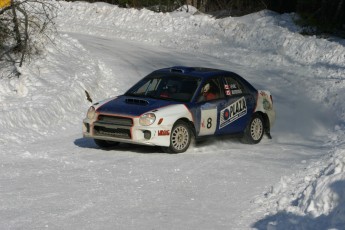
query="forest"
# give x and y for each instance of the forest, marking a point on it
(324, 16)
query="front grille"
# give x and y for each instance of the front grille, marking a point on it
(112, 126)
(115, 120)
(113, 132)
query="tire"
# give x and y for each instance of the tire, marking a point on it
(105, 144)
(180, 138)
(254, 130)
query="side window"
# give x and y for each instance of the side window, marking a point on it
(211, 90)
(232, 87)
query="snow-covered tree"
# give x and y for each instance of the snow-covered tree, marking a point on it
(23, 25)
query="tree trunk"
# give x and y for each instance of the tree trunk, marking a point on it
(16, 26)
(25, 45)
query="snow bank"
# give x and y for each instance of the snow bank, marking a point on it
(313, 198)
(50, 93)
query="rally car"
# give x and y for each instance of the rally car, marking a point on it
(171, 106)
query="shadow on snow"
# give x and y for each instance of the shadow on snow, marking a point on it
(123, 147)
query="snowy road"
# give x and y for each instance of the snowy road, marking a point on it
(65, 182)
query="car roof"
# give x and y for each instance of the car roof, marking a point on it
(196, 71)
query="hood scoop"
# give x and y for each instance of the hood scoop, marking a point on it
(136, 101)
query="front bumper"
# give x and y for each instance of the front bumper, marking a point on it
(127, 132)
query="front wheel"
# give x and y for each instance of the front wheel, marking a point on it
(180, 138)
(254, 130)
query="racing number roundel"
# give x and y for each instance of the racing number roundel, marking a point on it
(226, 114)
(208, 122)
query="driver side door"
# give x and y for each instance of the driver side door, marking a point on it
(209, 107)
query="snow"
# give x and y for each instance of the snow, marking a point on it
(53, 178)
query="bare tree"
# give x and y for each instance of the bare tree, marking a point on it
(23, 26)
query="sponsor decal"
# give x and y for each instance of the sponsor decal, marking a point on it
(228, 92)
(226, 87)
(233, 112)
(163, 132)
(266, 104)
(262, 93)
(236, 91)
(266, 101)
(203, 124)
(226, 114)
(233, 86)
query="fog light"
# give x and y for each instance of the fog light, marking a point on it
(147, 135)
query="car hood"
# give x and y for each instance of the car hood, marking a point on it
(132, 106)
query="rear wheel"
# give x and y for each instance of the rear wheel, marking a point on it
(180, 138)
(105, 144)
(254, 130)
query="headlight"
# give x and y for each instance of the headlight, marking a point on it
(91, 112)
(147, 119)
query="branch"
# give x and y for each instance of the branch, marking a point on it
(24, 47)
(3, 10)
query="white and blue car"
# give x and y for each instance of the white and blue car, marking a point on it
(171, 106)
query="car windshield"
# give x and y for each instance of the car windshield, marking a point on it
(176, 88)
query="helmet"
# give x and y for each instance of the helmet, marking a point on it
(206, 88)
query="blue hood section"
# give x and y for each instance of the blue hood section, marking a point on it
(132, 106)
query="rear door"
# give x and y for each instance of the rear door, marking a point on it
(239, 104)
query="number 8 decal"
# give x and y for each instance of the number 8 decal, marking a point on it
(208, 121)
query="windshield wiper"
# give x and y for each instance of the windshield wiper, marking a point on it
(132, 95)
(151, 96)
(166, 98)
